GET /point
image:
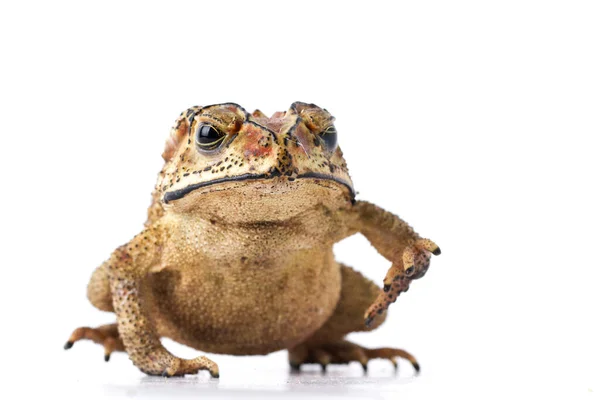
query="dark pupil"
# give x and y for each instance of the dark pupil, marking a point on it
(329, 137)
(207, 135)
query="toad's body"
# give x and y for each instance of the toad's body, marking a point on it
(258, 289)
(237, 254)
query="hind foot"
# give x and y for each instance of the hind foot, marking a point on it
(105, 335)
(344, 352)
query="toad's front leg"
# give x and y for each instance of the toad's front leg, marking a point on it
(127, 267)
(397, 241)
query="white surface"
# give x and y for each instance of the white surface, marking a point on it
(245, 377)
(477, 122)
(84, 374)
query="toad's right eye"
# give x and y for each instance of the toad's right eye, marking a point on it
(208, 138)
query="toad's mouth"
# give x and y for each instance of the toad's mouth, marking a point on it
(180, 193)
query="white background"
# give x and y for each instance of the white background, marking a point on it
(477, 122)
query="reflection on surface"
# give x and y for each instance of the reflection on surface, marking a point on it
(239, 380)
(257, 377)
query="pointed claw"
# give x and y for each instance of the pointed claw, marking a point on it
(214, 374)
(324, 368)
(107, 357)
(408, 260)
(365, 367)
(295, 367)
(368, 321)
(68, 345)
(394, 363)
(416, 366)
(428, 245)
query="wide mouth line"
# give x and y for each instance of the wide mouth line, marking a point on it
(180, 193)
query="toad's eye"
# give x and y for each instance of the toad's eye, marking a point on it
(329, 137)
(208, 138)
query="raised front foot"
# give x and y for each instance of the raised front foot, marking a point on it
(344, 352)
(413, 265)
(105, 335)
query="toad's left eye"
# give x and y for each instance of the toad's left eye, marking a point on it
(208, 138)
(329, 137)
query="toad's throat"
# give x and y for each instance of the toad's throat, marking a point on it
(179, 193)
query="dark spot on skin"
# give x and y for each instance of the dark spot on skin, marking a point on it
(386, 288)
(275, 172)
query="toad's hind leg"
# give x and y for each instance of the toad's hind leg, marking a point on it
(98, 293)
(98, 290)
(327, 345)
(105, 335)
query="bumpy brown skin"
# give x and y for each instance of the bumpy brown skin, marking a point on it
(236, 256)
